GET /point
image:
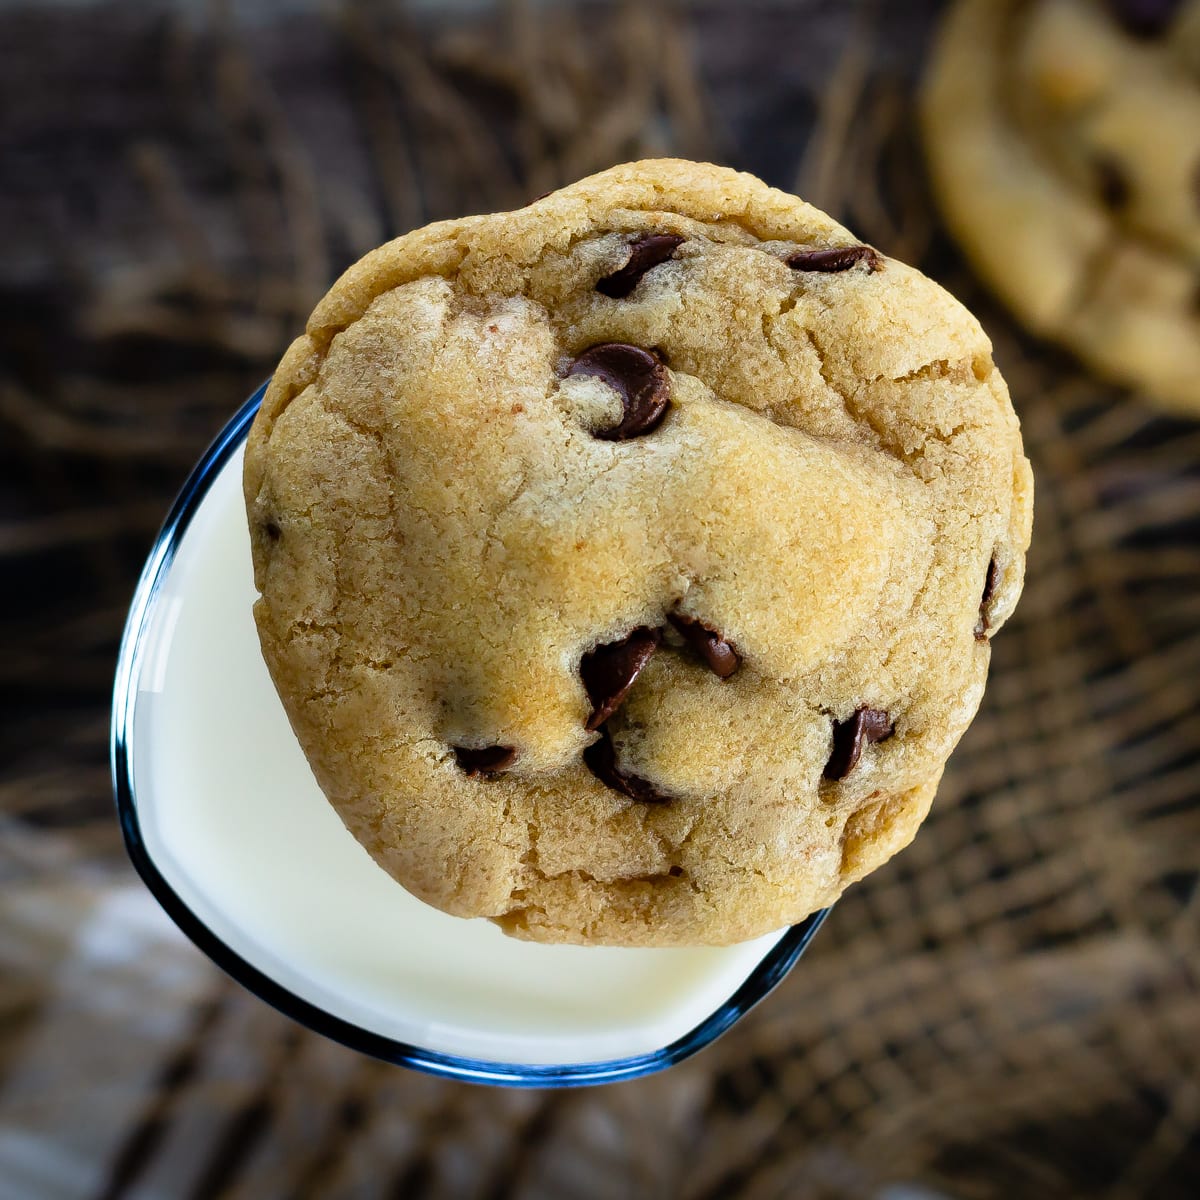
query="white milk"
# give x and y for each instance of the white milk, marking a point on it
(234, 821)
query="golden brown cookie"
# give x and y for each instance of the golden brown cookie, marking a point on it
(628, 561)
(1063, 138)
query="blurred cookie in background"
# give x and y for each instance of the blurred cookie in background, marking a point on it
(1063, 141)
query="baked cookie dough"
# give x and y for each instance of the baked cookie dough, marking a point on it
(1063, 138)
(628, 562)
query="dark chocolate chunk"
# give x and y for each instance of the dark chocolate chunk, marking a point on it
(601, 759)
(989, 587)
(640, 379)
(484, 760)
(272, 530)
(608, 672)
(1145, 18)
(866, 725)
(721, 657)
(1112, 183)
(839, 258)
(645, 252)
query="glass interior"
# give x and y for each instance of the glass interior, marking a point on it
(232, 818)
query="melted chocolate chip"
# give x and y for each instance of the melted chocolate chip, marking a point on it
(839, 258)
(645, 253)
(1145, 18)
(608, 672)
(484, 760)
(989, 588)
(721, 657)
(638, 377)
(849, 736)
(601, 759)
(1112, 183)
(272, 530)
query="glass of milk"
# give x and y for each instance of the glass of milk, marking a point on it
(227, 827)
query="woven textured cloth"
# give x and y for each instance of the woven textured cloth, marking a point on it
(1011, 1008)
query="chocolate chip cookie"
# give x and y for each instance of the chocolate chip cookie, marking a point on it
(628, 562)
(1063, 138)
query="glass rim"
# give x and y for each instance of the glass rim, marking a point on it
(767, 974)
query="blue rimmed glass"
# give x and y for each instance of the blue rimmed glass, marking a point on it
(259, 974)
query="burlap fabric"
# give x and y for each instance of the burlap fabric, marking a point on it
(1010, 1009)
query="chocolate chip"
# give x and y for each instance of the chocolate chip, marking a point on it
(867, 725)
(637, 376)
(1112, 183)
(484, 760)
(989, 587)
(272, 530)
(839, 258)
(645, 252)
(608, 672)
(721, 657)
(601, 759)
(1145, 18)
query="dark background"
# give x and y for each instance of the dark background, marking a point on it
(1010, 1009)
